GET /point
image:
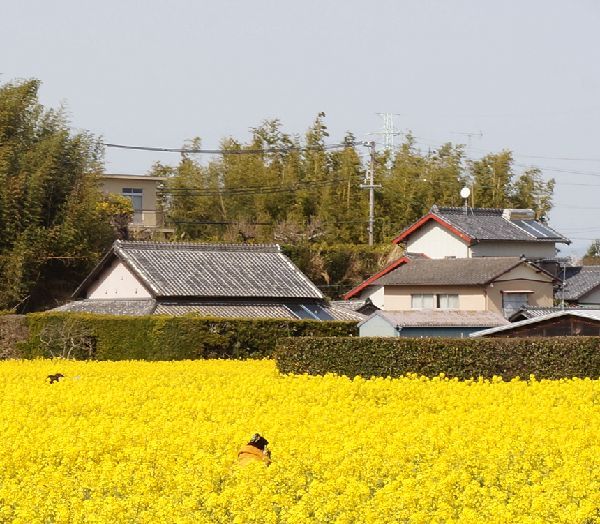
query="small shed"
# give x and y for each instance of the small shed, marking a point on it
(567, 323)
(428, 323)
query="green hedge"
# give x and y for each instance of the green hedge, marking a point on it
(550, 358)
(165, 337)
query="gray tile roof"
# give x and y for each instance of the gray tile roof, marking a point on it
(211, 270)
(110, 307)
(579, 281)
(441, 318)
(224, 310)
(249, 310)
(482, 224)
(589, 314)
(538, 311)
(218, 309)
(449, 271)
(360, 308)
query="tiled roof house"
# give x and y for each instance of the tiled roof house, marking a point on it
(477, 232)
(217, 280)
(498, 284)
(582, 285)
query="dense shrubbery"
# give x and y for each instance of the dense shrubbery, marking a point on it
(105, 337)
(550, 358)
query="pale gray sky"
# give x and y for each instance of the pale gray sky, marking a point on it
(523, 72)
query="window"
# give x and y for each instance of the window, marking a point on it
(513, 301)
(135, 195)
(421, 301)
(446, 301)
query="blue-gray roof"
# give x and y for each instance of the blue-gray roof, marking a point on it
(493, 224)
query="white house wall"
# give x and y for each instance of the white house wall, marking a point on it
(514, 249)
(436, 242)
(118, 282)
(375, 294)
(592, 298)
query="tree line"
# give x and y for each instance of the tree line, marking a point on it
(301, 191)
(55, 222)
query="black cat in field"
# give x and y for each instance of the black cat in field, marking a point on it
(54, 378)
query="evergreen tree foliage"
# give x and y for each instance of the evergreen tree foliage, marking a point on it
(294, 191)
(52, 229)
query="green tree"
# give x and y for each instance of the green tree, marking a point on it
(52, 229)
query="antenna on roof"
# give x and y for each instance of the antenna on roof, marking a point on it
(465, 192)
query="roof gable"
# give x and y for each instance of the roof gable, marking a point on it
(390, 267)
(454, 271)
(486, 224)
(579, 281)
(210, 270)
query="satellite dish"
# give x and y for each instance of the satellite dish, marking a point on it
(465, 192)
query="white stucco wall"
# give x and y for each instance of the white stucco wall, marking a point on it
(118, 282)
(514, 249)
(436, 242)
(375, 294)
(592, 298)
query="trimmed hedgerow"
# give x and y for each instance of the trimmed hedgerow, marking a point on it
(107, 337)
(551, 358)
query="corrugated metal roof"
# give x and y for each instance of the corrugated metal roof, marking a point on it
(215, 270)
(449, 271)
(590, 314)
(440, 318)
(579, 281)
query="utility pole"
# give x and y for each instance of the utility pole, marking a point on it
(371, 186)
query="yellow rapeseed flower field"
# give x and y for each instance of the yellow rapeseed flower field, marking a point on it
(146, 442)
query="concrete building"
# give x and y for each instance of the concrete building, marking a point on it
(142, 191)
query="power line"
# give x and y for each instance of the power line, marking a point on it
(251, 190)
(324, 147)
(576, 159)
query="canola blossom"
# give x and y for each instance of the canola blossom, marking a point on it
(156, 442)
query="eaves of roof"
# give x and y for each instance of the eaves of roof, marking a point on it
(432, 216)
(376, 276)
(587, 314)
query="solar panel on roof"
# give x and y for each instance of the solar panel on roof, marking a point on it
(319, 312)
(310, 311)
(301, 312)
(535, 228)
